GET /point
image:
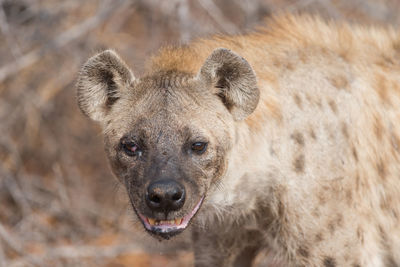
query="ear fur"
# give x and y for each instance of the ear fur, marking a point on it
(233, 80)
(101, 81)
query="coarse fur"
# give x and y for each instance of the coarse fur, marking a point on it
(302, 120)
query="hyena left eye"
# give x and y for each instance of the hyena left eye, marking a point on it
(199, 147)
(131, 149)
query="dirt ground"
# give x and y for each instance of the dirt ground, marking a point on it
(59, 203)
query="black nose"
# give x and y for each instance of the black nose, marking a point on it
(165, 195)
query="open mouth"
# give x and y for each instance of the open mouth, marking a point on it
(168, 228)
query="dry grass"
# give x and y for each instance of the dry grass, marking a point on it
(60, 205)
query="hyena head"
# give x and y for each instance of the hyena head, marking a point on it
(168, 135)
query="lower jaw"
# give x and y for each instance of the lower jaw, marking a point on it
(168, 231)
(164, 234)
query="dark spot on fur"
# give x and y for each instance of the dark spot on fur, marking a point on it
(378, 129)
(345, 132)
(319, 237)
(276, 62)
(390, 262)
(299, 163)
(340, 82)
(339, 220)
(332, 227)
(383, 234)
(333, 106)
(355, 155)
(356, 265)
(322, 198)
(298, 138)
(349, 196)
(381, 168)
(298, 101)
(281, 209)
(312, 134)
(329, 262)
(396, 46)
(357, 181)
(316, 213)
(394, 213)
(386, 203)
(303, 251)
(290, 66)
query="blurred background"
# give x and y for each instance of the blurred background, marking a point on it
(59, 203)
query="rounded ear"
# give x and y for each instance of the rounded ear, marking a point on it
(233, 80)
(101, 80)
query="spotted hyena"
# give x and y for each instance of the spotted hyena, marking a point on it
(288, 137)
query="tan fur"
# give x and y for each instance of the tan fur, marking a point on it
(355, 72)
(314, 172)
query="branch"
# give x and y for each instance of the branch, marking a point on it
(78, 252)
(15, 245)
(61, 40)
(216, 14)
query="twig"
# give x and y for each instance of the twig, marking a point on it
(331, 9)
(297, 6)
(92, 251)
(61, 40)
(184, 16)
(78, 252)
(214, 11)
(3, 262)
(5, 29)
(16, 193)
(15, 245)
(61, 186)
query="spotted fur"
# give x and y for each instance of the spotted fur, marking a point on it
(305, 147)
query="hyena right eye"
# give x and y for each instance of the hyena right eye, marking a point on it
(131, 149)
(199, 147)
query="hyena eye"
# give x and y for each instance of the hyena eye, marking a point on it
(131, 149)
(199, 147)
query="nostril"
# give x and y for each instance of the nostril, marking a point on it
(155, 198)
(177, 196)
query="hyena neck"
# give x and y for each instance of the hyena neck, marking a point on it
(256, 170)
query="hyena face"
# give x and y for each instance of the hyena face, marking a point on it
(168, 135)
(168, 149)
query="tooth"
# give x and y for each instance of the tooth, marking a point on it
(178, 221)
(172, 222)
(151, 221)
